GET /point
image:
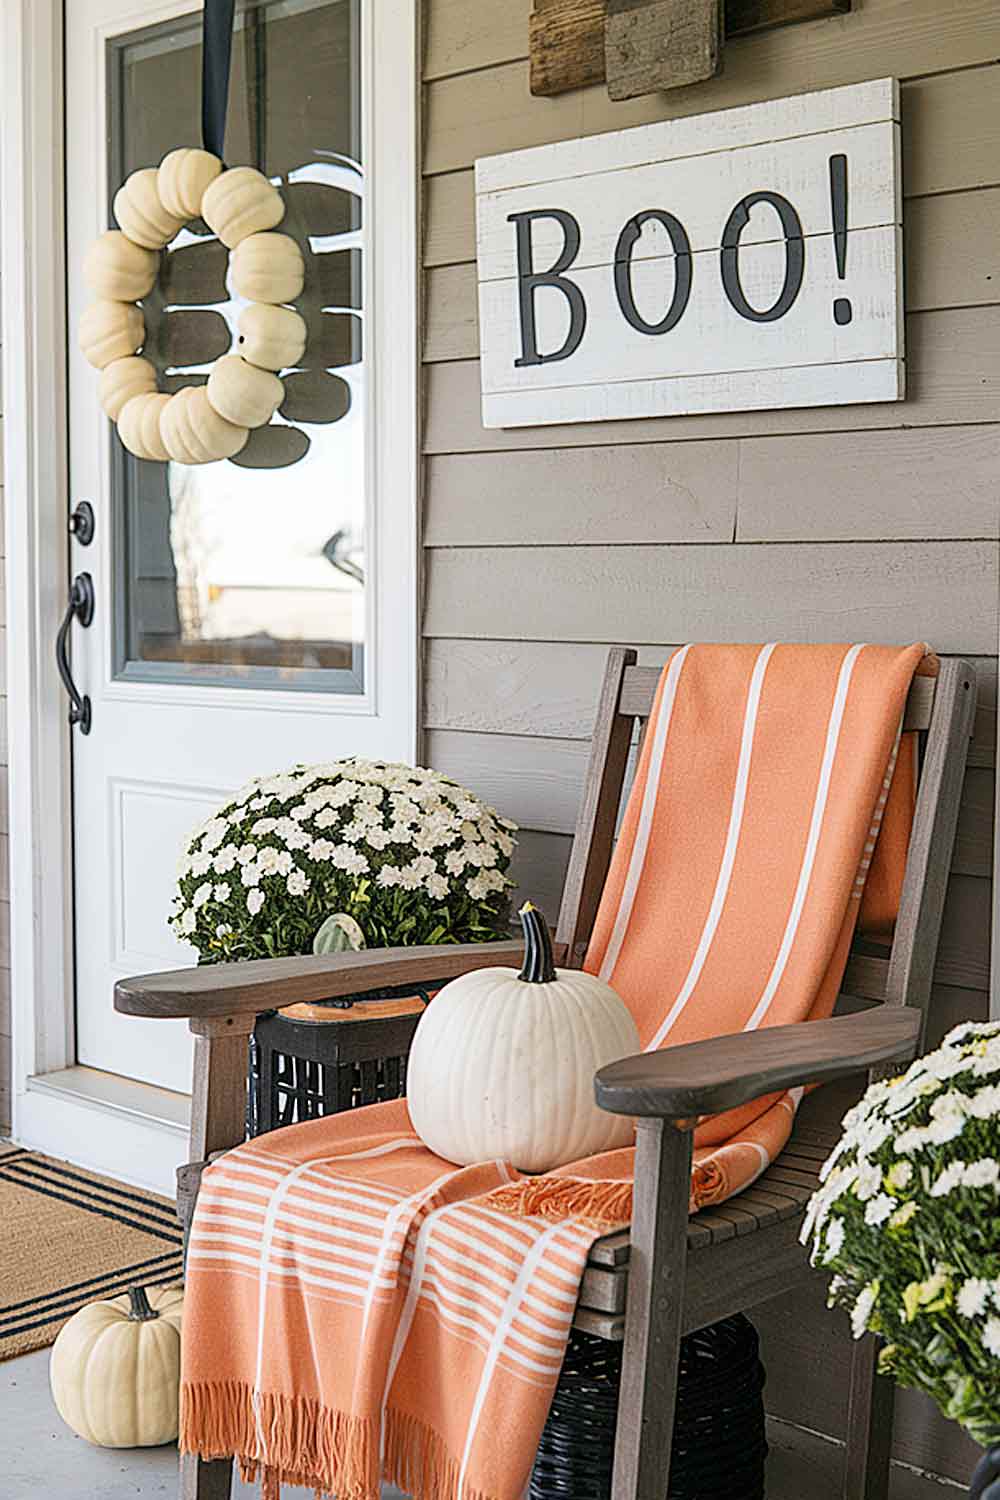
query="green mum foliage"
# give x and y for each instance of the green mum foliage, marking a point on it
(408, 855)
(907, 1220)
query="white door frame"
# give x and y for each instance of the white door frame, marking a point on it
(84, 1123)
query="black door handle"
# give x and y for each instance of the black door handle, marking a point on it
(80, 607)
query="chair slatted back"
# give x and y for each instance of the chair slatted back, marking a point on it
(941, 709)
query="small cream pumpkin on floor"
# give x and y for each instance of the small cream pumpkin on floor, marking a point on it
(502, 1064)
(196, 425)
(115, 1369)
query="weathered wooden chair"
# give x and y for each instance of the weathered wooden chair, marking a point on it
(668, 1274)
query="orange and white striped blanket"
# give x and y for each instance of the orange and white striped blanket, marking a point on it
(359, 1308)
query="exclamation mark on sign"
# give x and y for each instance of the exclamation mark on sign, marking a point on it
(842, 310)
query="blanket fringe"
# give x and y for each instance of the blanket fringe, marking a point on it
(417, 1460)
(304, 1443)
(606, 1205)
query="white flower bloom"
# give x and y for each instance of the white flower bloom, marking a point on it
(201, 864)
(834, 1239)
(988, 1062)
(267, 861)
(972, 1297)
(862, 1309)
(223, 891)
(255, 900)
(297, 883)
(909, 1140)
(948, 1179)
(327, 818)
(946, 1127)
(879, 1209)
(201, 895)
(225, 860)
(301, 812)
(187, 922)
(984, 1104)
(982, 1173)
(344, 792)
(437, 886)
(869, 1180)
(321, 850)
(246, 853)
(400, 833)
(250, 875)
(477, 887)
(223, 930)
(991, 1337)
(264, 825)
(899, 1175)
(454, 862)
(410, 878)
(214, 833)
(388, 876)
(379, 838)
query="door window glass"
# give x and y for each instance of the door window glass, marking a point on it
(252, 571)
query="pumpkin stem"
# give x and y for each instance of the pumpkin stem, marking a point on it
(539, 966)
(140, 1310)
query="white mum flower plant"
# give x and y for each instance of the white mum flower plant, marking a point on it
(908, 1220)
(397, 854)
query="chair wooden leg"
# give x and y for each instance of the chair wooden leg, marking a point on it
(205, 1478)
(654, 1311)
(218, 1122)
(869, 1426)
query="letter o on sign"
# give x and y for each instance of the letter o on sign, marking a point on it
(795, 256)
(682, 270)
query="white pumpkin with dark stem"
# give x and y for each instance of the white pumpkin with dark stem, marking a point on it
(502, 1064)
(115, 1369)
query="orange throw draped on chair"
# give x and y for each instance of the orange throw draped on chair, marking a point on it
(358, 1308)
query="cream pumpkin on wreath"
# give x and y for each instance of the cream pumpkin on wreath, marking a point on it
(115, 1369)
(195, 425)
(502, 1064)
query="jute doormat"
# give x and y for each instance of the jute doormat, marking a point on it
(67, 1238)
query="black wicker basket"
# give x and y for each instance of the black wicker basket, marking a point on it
(719, 1445)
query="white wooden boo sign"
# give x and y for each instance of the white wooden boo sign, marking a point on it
(744, 259)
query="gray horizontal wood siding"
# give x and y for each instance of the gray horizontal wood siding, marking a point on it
(543, 546)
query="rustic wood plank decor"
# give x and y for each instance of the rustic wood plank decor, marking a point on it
(660, 44)
(567, 37)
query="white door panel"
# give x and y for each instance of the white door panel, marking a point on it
(245, 617)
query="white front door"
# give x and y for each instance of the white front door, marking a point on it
(248, 614)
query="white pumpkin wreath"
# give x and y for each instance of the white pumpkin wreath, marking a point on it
(197, 424)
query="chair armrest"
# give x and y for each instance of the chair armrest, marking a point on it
(704, 1078)
(269, 983)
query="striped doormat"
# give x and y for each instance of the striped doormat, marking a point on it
(68, 1237)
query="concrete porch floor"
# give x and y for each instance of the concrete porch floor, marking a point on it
(40, 1457)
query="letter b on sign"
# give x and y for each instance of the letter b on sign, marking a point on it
(529, 280)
